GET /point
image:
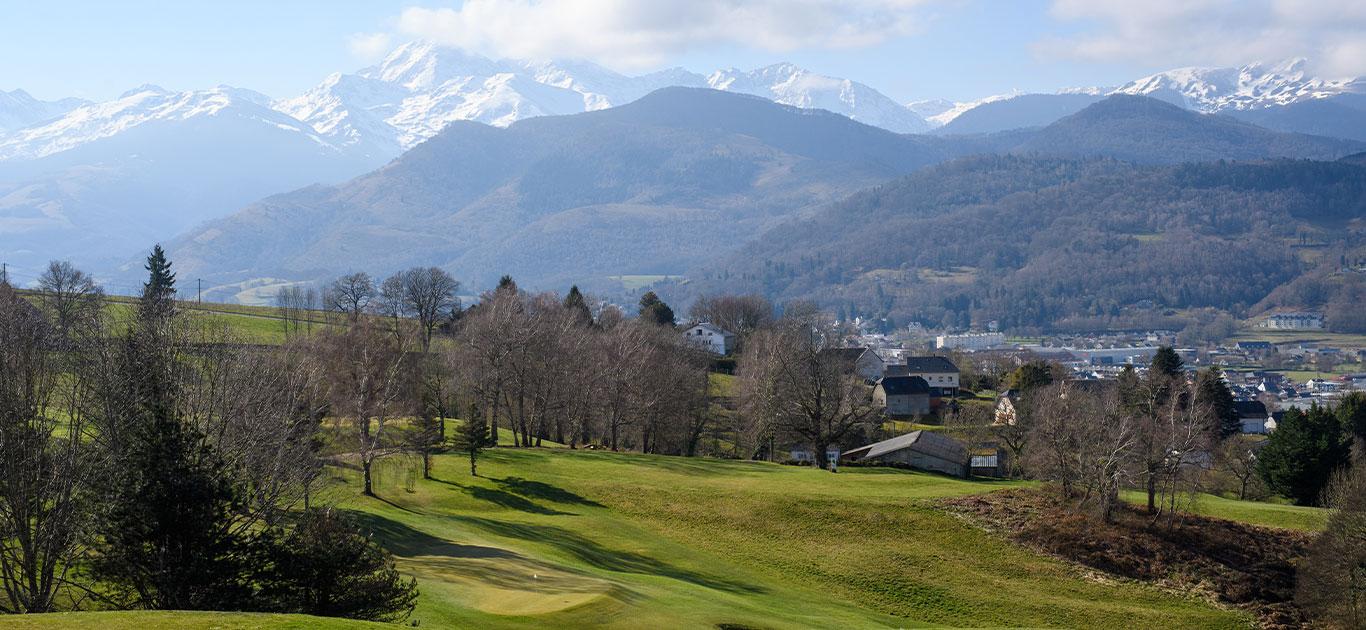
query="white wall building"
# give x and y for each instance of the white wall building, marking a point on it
(710, 338)
(970, 341)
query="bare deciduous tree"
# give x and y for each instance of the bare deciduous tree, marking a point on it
(350, 294)
(70, 297)
(792, 377)
(740, 314)
(365, 372)
(45, 466)
(429, 295)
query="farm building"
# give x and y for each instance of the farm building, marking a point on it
(922, 450)
(903, 395)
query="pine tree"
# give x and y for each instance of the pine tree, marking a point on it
(654, 310)
(1216, 394)
(1302, 453)
(166, 541)
(574, 302)
(506, 283)
(1167, 362)
(158, 293)
(473, 436)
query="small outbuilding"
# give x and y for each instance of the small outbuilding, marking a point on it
(921, 450)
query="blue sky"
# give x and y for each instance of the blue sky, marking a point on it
(909, 49)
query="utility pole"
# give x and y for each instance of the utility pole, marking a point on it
(200, 299)
(4, 273)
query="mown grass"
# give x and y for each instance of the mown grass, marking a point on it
(560, 538)
(1262, 513)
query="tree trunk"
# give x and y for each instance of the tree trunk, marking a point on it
(365, 471)
(1152, 493)
(473, 473)
(426, 463)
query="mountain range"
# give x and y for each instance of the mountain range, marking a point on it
(94, 182)
(660, 186)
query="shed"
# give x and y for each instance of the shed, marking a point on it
(922, 450)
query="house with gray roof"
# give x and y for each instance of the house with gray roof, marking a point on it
(902, 396)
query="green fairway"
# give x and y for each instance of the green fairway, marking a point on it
(1251, 512)
(562, 538)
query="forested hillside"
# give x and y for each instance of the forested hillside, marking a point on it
(660, 186)
(1039, 243)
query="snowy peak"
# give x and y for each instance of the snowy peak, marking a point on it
(421, 87)
(1253, 86)
(18, 109)
(791, 85)
(94, 121)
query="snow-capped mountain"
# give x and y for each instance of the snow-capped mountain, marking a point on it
(18, 109)
(940, 112)
(420, 87)
(790, 85)
(146, 104)
(106, 179)
(1254, 86)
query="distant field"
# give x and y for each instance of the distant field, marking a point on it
(1253, 512)
(631, 283)
(1289, 336)
(251, 324)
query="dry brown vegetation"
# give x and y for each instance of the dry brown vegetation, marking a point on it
(1234, 564)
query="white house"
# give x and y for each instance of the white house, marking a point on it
(939, 372)
(710, 338)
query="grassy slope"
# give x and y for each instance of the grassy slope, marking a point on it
(561, 538)
(1252, 512)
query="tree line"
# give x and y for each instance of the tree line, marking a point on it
(149, 462)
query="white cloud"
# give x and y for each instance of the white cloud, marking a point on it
(369, 46)
(1331, 33)
(629, 34)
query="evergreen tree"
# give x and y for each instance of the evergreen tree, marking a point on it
(1167, 362)
(166, 541)
(653, 309)
(158, 293)
(506, 283)
(1302, 453)
(1351, 411)
(1214, 392)
(573, 301)
(1031, 376)
(325, 566)
(473, 436)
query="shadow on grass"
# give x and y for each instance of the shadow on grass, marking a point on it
(494, 566)
(543, 491)
(408, 542)
(503, 498)
(600, 557)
